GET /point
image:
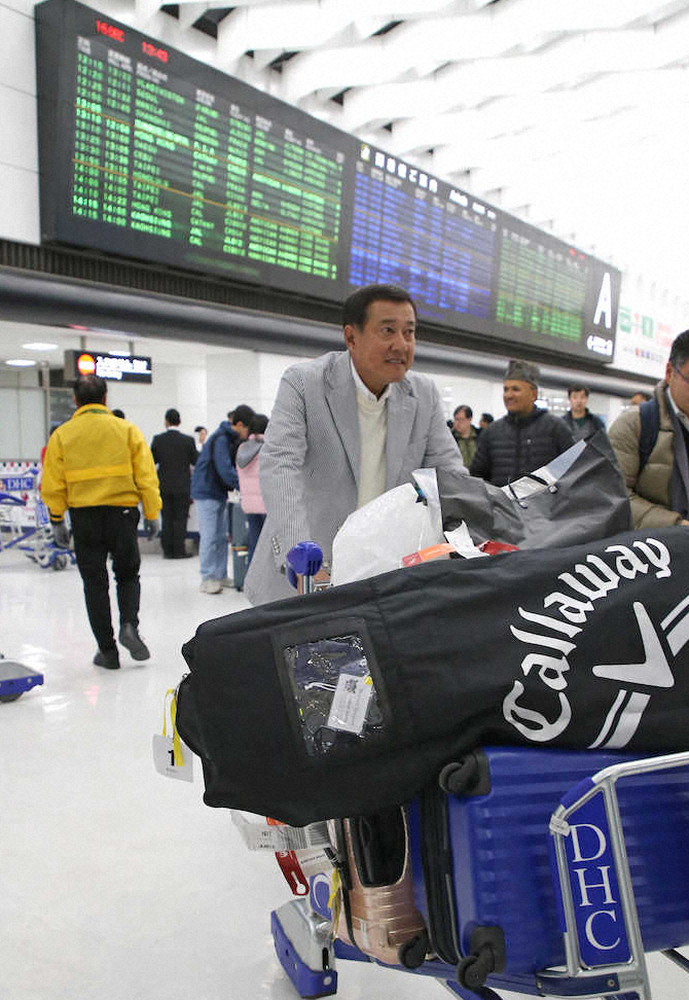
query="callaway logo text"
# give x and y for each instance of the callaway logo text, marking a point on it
(550, 635)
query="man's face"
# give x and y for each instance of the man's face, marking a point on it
(462, 423)
(241, 429)
(678, 380)
(519, 397)
(578, 401)
(382, 350)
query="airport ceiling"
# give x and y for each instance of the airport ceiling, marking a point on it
(571, 114)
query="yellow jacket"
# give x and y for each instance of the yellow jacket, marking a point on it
(98, 460)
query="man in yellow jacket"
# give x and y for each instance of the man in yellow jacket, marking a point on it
(99, 468)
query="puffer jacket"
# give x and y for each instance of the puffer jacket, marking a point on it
(650, 491)
(98, 460)
(214, 473)
(513, 446)
(248, 455)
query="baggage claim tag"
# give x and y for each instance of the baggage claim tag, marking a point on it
(350, 703)
(171, 757)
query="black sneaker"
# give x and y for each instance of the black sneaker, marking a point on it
(108, 658)
(131, 640)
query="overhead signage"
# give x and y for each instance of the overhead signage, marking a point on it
(152, 155)
(112, 367)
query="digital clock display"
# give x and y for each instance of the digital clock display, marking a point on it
(149, 154)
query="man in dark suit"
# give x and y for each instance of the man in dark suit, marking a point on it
(174, 454)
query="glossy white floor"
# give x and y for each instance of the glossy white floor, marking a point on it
(114, 881)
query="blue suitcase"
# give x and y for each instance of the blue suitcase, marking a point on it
(481, 858)
(534, 879)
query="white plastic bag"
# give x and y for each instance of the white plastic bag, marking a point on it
(374, 538)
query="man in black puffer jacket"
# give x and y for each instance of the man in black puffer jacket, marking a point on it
(526, 438)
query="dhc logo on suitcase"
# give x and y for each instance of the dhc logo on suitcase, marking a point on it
(601, 929)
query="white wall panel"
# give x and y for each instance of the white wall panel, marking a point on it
(191, 397)
(19, 212)
(32, 435)
(17, 51)
(9, 425)
(19, 218)
(233, 378)
(271, 368)
(21, 6)
(22, 433)
(18, 136)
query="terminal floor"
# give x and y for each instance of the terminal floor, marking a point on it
(117, 883)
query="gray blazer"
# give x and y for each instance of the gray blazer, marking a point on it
(309, 468)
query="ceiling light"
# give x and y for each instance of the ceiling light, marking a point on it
(21, 363)
(38, 345)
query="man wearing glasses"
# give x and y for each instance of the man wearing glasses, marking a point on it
(651, 442)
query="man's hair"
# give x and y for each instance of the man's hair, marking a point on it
(200, 427)
(259, 423)
(679, 352)
(488, 417)
(355, 309)
(172, 416)
(241, 414)
(577, 388)
(89, 389)
(466, 410)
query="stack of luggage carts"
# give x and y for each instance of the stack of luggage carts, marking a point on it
(544, 872)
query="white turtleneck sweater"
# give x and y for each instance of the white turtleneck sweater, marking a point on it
(373, 433)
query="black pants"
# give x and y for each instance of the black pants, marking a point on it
(98, 532)
(175, 514)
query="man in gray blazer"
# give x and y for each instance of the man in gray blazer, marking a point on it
(345, 428)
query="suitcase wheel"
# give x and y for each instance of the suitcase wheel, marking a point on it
(473, 970)
(460, 776)
(412, 953)
(487, 956)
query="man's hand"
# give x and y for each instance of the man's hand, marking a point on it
(60, 534)
(150, 527)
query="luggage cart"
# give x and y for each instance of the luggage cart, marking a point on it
(593, 873)
(24, 518)
(15, 679)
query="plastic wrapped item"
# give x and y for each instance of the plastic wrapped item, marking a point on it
(334, 692)
(375, 538)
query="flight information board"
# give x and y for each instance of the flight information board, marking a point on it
(149, 154)
(416, 231)
(170, 161)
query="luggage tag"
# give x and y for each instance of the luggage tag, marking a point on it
(350, 703)
(171, 757)
(300, 851)
(290, 867)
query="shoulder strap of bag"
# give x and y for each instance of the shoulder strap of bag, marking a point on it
(649, 411)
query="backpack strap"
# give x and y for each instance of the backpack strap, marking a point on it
(649, 411)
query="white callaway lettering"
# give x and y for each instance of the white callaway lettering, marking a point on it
(588, 582)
